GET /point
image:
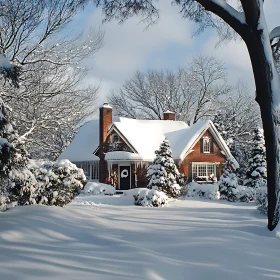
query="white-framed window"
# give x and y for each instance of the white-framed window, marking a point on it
(206, 145)
(115, 138)
(203, 171)
(90, 168)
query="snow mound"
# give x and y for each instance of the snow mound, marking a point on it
(129, 194)
(207, 191)
(151, 198)
(99, 188)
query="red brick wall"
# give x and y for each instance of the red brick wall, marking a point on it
(197, 156)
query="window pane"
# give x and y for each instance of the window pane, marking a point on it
(210, 169)
(206, 145)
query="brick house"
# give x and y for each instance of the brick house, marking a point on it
(118, 150)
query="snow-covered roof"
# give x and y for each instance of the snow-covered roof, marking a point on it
(121, 155)
(182, 140)
(84, 143)
(146, 135)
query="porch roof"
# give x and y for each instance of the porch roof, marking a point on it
(122, 156)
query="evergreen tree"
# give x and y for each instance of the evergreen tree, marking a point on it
(12, 151)
(163, 174)
(256, 174)
(13, 156)
(228, 182)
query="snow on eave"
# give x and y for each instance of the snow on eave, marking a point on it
(123, 156)
(187, 150)
(222, 144)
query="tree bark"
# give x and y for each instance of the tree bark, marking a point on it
(263, 74)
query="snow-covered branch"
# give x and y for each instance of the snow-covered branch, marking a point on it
(239, 16)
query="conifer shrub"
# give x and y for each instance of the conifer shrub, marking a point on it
(163, 174)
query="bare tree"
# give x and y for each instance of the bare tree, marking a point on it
(51, 103)
(236, 118)
(249, 23)
(191, 93)
(49, 109)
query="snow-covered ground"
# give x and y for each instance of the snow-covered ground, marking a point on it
(105, 237)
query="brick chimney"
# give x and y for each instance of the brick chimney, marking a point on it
(169, 115)
(105, 120)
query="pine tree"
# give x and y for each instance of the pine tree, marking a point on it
(13, 156)
(163, 174)
(256, 175)
(228, 182)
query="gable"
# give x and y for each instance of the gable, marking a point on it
(215, 154)
(120, 145)
(183, 141)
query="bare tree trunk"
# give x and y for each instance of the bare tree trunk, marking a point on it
(263, 75)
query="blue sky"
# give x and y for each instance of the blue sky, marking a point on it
(169, 44)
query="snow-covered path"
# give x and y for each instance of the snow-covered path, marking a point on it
(188, 240)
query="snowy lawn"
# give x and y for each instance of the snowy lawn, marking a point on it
(191, 239)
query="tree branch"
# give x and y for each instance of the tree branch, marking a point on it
(232, 17)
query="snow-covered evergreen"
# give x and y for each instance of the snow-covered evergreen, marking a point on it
(13, 155)
(163, 174)
(228, 182)
(256, 174)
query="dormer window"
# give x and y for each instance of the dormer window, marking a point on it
(206, 145)
(115, 138)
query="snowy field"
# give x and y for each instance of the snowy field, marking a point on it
(102, 237)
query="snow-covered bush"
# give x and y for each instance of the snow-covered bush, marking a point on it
(208, 191)
(261, 194)
(49, 183)
(244, 193)
(228, 182)
(211, 191)
(23, 187)
(4, 200)
(99, 188)
(163, 174)
(65, 182)
(150, 198)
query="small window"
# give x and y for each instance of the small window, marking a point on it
(206, 145)
(115, 138)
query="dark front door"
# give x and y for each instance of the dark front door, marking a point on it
(124, 177)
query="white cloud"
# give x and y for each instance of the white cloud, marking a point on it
(235, 56)
(129, 47)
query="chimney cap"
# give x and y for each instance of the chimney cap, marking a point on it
(169, 112)
(106, 105)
